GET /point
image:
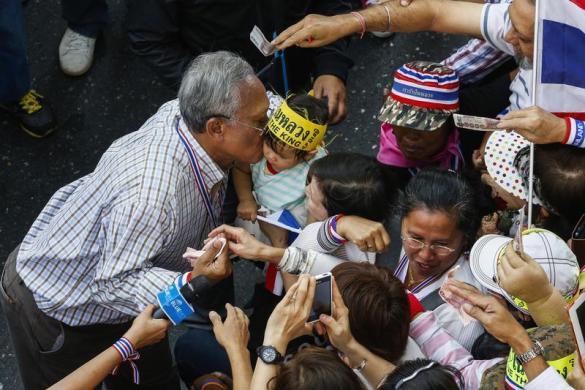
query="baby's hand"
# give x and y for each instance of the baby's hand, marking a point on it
(247, 210)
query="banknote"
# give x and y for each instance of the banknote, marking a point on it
(453, 300)
(475, 122)
(260, 41)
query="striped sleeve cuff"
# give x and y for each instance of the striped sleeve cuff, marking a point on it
(575, 135)
(327, 237)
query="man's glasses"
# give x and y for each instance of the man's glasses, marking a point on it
(440, 250)
(261, 130)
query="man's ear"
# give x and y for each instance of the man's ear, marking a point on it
(215, 127)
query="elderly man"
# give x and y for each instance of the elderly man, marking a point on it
(107, 243)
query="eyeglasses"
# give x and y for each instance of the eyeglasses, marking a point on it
(440, 250)
(261, 130)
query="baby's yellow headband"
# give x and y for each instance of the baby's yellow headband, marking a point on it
(294, 130)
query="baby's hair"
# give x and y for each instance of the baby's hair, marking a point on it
(310, 108)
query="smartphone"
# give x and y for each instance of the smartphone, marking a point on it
(578, 241)
(323, 297)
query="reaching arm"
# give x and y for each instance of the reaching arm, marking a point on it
(233, 335)
(144, 331)
(457, 17)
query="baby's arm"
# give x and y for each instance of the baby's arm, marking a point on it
(247, 206)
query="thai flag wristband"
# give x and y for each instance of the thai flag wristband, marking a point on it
(575, 134)
(129, 354)
(332, 229)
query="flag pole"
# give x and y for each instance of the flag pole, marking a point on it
(535, 75)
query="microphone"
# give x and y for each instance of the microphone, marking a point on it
(175, 302)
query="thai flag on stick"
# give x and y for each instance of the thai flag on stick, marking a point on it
(559, 68)
(560, 59)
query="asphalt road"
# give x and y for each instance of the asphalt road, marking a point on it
(118, 94)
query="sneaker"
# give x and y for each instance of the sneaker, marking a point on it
(75, 53)
(34, 115)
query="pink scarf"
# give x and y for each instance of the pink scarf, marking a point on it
(448, 158)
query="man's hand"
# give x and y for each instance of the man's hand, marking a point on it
(333, 88)
(535, 124)
(240, 241)
(247, 210)
(214, 269)
(316, 31)
(368, 235)
(233, 333)
(146, 330)
(289, 318)
(522, 277)
(495, 317)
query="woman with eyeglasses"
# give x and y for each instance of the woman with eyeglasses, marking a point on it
(439, 214)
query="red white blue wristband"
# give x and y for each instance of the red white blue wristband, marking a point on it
(575, 134)
(336, 237)
(129, 354)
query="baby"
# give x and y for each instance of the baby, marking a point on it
(292, 141)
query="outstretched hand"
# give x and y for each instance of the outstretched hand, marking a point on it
(535, 124)
(233, 333)
(146, 330)
(240, 241)
(289, 318)
(493, 315)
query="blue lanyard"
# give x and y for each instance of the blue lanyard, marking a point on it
(196, 169)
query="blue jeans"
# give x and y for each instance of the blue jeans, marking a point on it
(14, 71)
(86, 17)
(198, 353)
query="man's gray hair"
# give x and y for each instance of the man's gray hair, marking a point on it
(211, 86)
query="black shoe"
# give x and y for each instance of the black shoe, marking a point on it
(34, 115)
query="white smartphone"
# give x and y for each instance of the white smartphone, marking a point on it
(323, 297)
(577, 315)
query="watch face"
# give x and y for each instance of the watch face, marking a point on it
(268, 354)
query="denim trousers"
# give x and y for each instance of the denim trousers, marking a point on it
(14, 71)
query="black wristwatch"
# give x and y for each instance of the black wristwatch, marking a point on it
(269, 354)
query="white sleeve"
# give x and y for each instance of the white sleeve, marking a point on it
(548, 379)
(495, 24)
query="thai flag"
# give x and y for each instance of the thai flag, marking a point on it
(560, 82)
(283, 219)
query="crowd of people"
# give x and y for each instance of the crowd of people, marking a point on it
(441, 275)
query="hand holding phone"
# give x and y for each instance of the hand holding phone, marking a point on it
(323, 297)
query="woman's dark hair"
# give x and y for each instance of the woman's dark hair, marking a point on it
(310, 108)
(315, 368)
(423, 374)
(379, 316)
(559, 172)
(440, 190)
(354, 184)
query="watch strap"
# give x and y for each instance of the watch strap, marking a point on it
(278, 356)
(531, 354)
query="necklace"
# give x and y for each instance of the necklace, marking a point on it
(411, 281)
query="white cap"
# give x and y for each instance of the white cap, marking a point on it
(500, 152)
(546, 248)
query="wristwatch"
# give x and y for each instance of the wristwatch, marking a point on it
(532, 353)
(269, 354)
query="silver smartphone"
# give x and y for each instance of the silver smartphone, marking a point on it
(323, 297)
